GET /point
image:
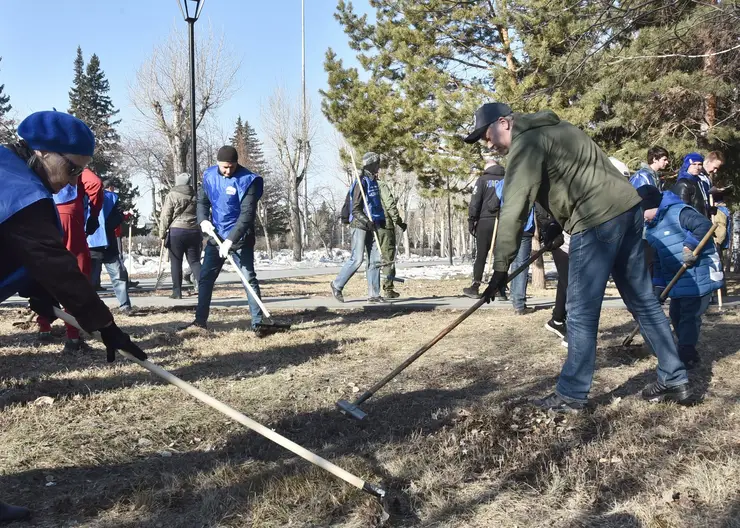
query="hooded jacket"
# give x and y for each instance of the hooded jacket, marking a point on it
(485, 202)
(179, 209)
(689, 187)
(675, 226)
(556, 164)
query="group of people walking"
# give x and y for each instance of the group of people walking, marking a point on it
(58, 222)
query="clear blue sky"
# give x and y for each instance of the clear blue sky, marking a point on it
(39, 38)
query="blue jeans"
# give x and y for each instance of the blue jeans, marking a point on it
(518, 285)
(686, 317)
(362, 242)
(613, 247)
(211, 267)
(117, 275)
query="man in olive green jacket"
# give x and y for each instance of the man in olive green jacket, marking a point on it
(387, 238)
(557, 165)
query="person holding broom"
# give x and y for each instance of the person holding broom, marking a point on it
(54, 149)
(557, 165)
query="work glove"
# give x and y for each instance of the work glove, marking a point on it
(92, 225)
(552, 235)
(498, 281)
(207, 227)
(116, 339)
(369, 225)
(472, 226)
(223, 251)
(689, 259)
(403, 225)
(712, 210)
(658, 291)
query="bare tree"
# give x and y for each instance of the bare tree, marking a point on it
(284, 130)
(161, 91)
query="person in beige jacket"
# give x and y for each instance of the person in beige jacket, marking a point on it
(179, 228)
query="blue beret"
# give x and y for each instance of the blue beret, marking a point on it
(57, 132)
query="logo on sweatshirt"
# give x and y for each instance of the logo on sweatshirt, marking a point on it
(231, 191)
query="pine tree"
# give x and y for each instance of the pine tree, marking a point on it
(78, 94)
(7, 125)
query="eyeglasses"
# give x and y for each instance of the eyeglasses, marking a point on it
(74, 170)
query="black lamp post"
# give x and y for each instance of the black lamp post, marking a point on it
(190, 10)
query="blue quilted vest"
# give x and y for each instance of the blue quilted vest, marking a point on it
(372, 192)
(21, 188)
(667, 237)
(226, 194)
(99, 239)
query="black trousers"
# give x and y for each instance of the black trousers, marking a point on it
(483, 235)
(187, 243)
(560, 258)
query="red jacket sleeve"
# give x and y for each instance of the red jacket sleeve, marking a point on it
(93, 187)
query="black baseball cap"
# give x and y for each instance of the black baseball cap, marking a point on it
(484, 116)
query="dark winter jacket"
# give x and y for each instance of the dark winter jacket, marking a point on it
(484, 203)
(688, 190)
(358, 213)
(556, 164)
(179, 210)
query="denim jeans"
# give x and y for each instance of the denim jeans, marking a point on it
(362, 242)
(686, 315)
(518, 285)
(613, 247)
(116, 272)
(211, 267)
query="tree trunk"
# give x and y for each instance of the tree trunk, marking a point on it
(538, 272)
(262, 214)
(433, 232)
(295, 221)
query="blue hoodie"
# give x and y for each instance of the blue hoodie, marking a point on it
(675, 226)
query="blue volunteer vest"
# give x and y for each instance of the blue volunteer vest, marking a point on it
(99, 239)
(372, 192)
(66, 195)
(21, 188)
(226, 194)
(725, 210)
(667, 237)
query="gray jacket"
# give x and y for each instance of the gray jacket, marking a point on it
(178, 210)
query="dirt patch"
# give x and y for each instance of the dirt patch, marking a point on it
(90, 444)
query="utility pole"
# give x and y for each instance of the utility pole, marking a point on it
(304, 127)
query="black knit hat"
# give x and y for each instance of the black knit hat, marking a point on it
(227, 154)
(651, 197)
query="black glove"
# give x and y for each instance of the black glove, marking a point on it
(552, 235)
(689, 258)
(498, 281)
(712, 210)
(403, 226)
(115, 339)
(658, 291)
(472, 225)
(369, 225)
(92, 225)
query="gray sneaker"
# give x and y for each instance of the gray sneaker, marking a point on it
(557, 403)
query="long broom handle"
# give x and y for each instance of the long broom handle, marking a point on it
(241, 418)
(130, 255)
(159, 268)
(674, 280)
(372, 390)
(493, 243)
(719, 292)
(244, 280)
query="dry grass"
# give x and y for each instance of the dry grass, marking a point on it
(452, 437)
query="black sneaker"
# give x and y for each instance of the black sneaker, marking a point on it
(657, 392)
(555, 402)
(472, 291)
(523, 311)
(195, 325)
(391, 294)
(336, 292)
(174, 295)
(557, 328)
(76, 346)
(45, 337)
(376, 300)
(10, 513)
(264, 329)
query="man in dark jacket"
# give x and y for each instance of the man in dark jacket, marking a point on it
(54, 150)
(228, 198)
(556, 164)
(689, 186)
(361, 228)
(482, 214)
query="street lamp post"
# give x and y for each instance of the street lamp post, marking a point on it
(190, 10)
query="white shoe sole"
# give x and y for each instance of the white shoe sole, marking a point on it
(556, 332)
